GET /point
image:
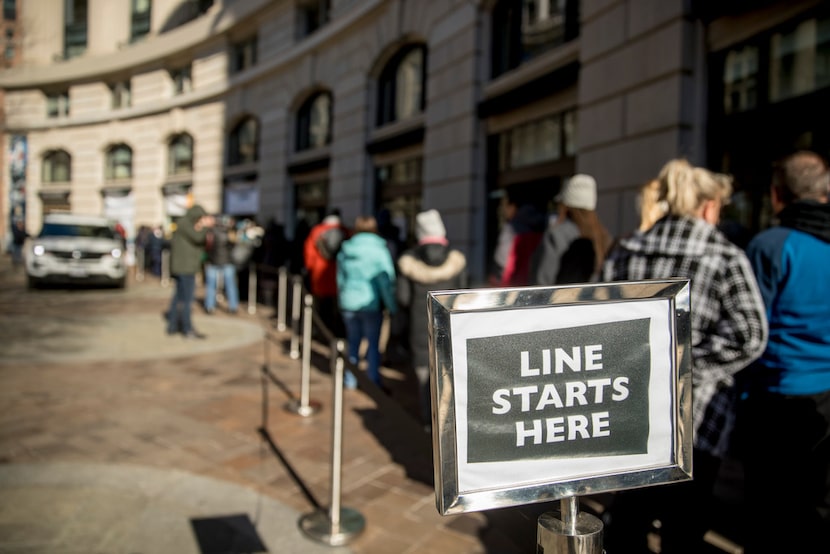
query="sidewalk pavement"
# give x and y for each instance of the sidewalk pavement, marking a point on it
(116, 438)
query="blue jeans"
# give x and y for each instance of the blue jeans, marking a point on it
(228, 272)
(360, 325)
(178, 315)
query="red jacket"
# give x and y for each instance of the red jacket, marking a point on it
(322, 273)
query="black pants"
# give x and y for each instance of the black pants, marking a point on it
(681, 508)
(784, 444)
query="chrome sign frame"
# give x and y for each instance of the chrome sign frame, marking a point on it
(506, 399)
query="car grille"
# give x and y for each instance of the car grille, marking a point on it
(77, 255)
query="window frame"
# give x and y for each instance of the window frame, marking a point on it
(181, 79)
(312, 15)
(121, 95)
(236, 144)
(140, 21)
(50, 164)
(60, 101)
(508, 20)
(75, 28)
(305, 136)
(112, 163)
(388, 93)
(174, 162)
(243, 54)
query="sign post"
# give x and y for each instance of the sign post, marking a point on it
(549, 393)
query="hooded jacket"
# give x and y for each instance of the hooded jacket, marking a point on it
(187, 244)
(365, 275)
(792, 264)
(322, 273)
(729, 326)
(425, 268)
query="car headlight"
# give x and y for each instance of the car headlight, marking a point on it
(38, 250)
(116, 252)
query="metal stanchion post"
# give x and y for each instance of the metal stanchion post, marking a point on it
(340, 525)
(165, 268)
(569, 531)
(282, 289)
(252, 288)
(304, 407)
(294, 353)
(139, 264)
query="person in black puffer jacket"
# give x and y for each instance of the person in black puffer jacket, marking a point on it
(431, 265)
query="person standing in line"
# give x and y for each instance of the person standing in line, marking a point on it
(320, 255)
(187, 248)
(519, 237)
(365, 288)
(729, 331)
(220, 240)
(19, 236)
(782, 432)
(575, 243)
(431, 265)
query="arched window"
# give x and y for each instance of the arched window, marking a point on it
(119, 162)
(314, 122)
(243, 145)
(180, 155)
(57, 167)
(402, 86)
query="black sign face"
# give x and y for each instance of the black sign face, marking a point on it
(560, 393)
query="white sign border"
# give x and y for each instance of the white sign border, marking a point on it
(458, 315)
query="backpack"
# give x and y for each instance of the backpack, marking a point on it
(329, 242)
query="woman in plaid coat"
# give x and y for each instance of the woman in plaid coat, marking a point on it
(729, 330)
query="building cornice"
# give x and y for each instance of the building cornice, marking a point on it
(188, 37)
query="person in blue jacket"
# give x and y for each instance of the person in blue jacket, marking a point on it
(365, 288)
(783, 417)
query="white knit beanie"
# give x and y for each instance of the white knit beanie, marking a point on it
(429, 224)
(580, 191)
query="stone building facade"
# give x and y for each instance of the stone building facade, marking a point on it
(282, 109)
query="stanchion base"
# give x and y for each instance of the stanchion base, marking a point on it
(318, 526)
(296, 407)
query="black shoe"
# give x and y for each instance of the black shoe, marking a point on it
(195, 335)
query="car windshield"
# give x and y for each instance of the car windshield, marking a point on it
(76, 230)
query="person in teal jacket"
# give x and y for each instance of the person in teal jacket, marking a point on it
(365, 288)
(783, 419)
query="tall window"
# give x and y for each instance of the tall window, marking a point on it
(180, 155)
(75, 28)
(121, 95)
(524, 30)
(402, 86)
(314, 122)
(313, 15)
(181, 80)
(119, 163)
(543, 140)
(243, 142)
(800, 59)
(9, 10)
(57, 167)
(140, 19)
(243, 54)
(57, 104)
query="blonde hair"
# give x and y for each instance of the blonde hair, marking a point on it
(652, 208)
(685, 187)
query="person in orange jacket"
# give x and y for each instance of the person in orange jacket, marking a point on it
(320, 256)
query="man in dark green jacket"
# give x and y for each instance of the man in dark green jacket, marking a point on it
(186, 251)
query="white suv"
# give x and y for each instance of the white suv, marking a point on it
(76, 249)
